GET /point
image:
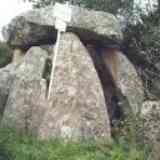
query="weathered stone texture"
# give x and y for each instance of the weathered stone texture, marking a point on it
(35, 27)
(18, 56)
(26, 102)
(6, 80)
(127, 80)
(78, 106)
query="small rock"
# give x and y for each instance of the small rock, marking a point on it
(6, 80)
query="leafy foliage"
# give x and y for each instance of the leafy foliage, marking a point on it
(112, 6)
(5, 54)
(142, 46)
(22, 147)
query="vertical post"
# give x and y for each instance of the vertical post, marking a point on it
(62, 13)
(54, 63)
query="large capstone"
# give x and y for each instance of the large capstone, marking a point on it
(78, 107)
(35, 27)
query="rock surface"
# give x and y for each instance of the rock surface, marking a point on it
(35, 27)
(103, 62)
(26, 102)
(6, 79)
(127, 81)
(150, 114)
(78, 107)
(18, 55)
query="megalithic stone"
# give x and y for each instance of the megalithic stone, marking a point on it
(150, 114)
(7, 75)
(26, 101)
(78, 107)
(35, 27)
(126, 79)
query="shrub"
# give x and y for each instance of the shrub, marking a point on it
(5, 54)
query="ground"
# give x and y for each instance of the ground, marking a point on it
(14, 146)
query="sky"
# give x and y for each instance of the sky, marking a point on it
(9, 9)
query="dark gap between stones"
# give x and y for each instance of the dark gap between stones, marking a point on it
(109, 88)
(47, 72)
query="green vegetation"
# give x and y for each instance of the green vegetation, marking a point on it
(5, 54)
(112, 6)
(142, 46)
(142, 40)
(14, 146)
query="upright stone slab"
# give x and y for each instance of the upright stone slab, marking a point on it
(18, 55)
(25, 106)
(126, 79)
(6, 80)
(106, 78)
(78, 106)
(130, 83)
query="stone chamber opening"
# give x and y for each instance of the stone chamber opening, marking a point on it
(110, 90)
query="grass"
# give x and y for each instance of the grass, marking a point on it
(14, 146)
